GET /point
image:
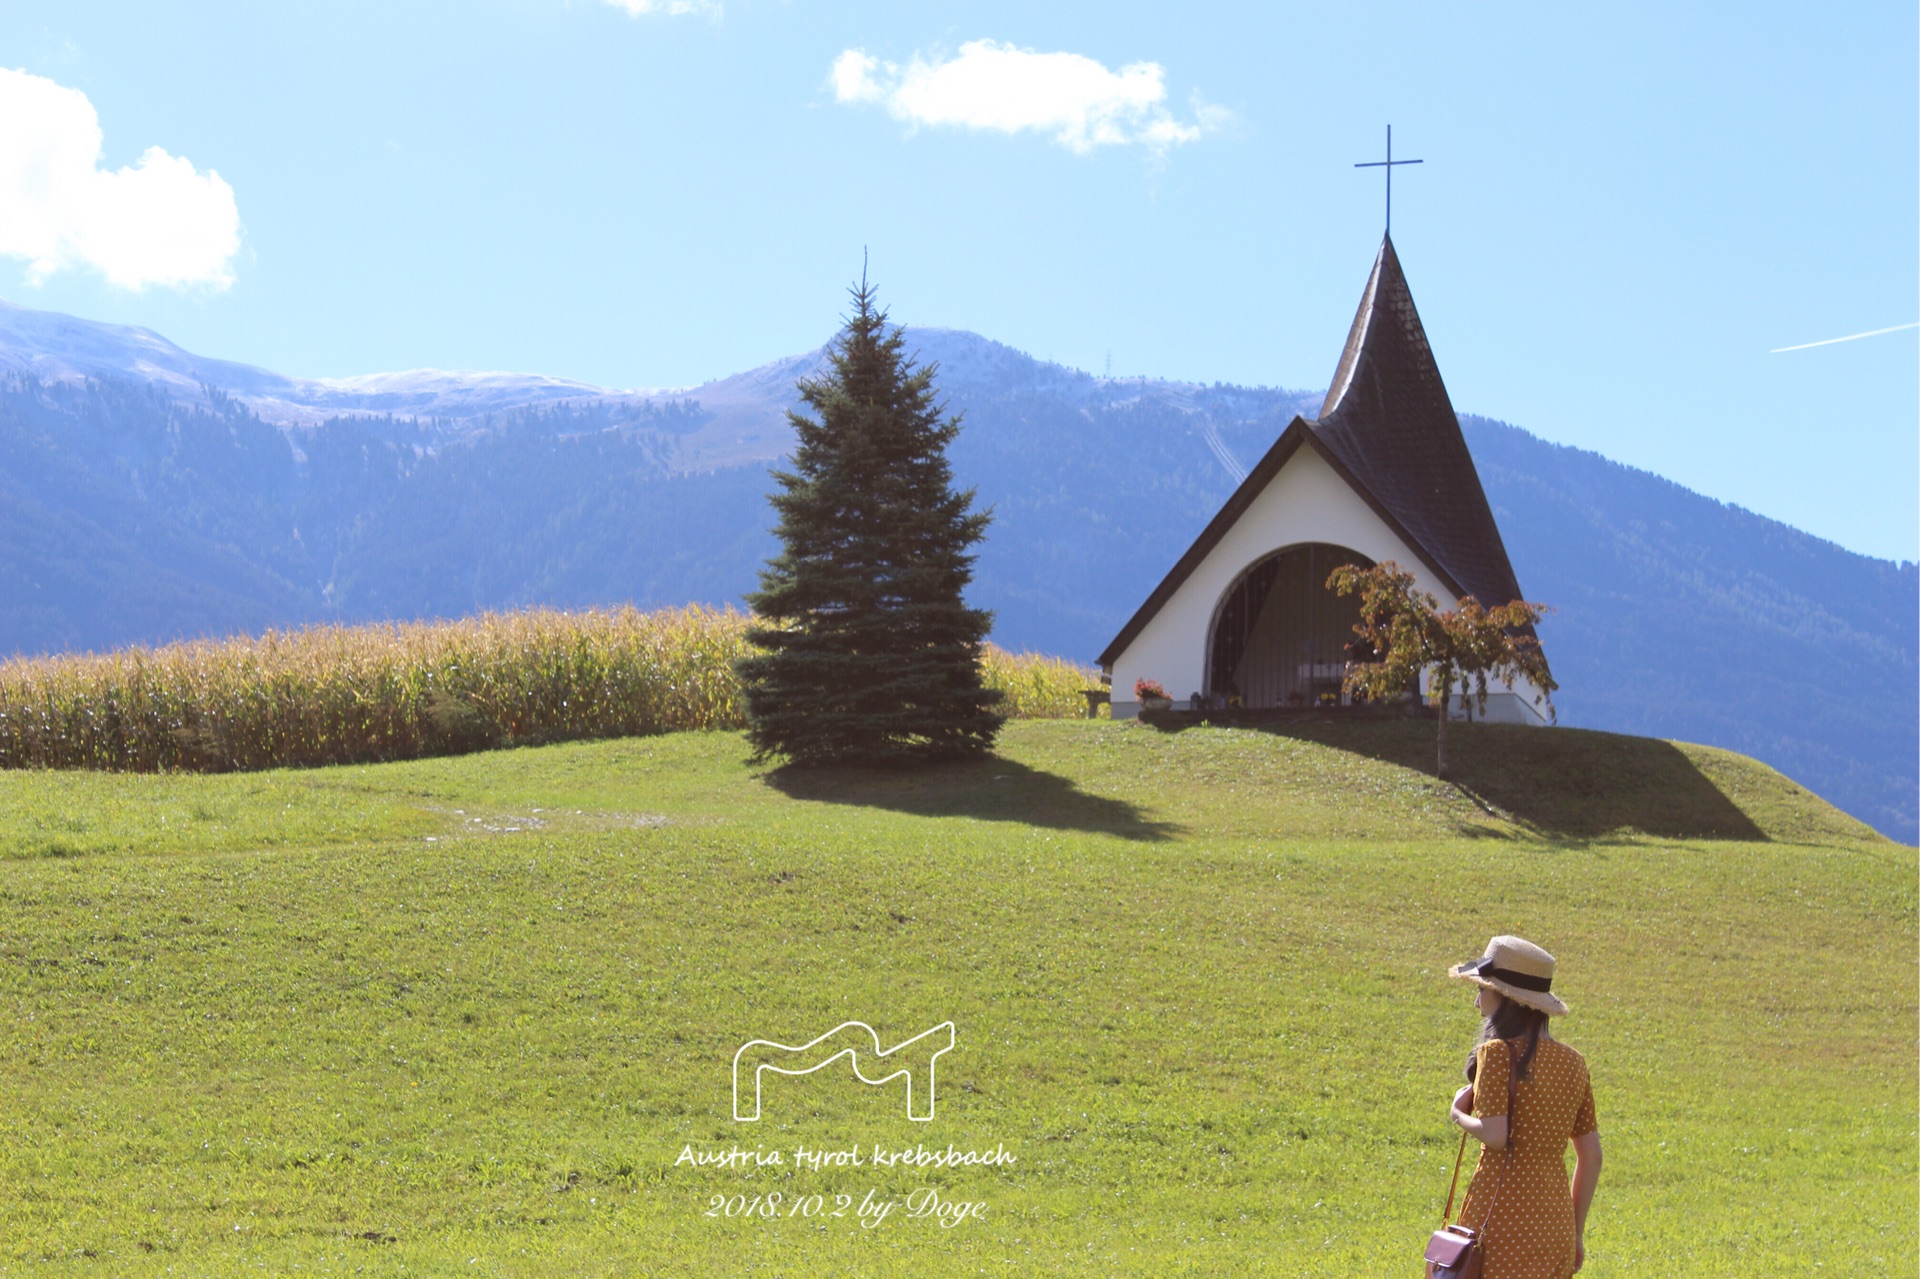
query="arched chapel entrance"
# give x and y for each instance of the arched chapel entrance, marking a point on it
(1280, 636)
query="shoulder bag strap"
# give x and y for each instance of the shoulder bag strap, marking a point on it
(1446, 1214)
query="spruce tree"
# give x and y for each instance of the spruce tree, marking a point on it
(869, 654)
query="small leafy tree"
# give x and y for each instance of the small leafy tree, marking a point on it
(868, 653)
(1402, 631)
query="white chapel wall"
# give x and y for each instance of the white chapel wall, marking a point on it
(1306, 502)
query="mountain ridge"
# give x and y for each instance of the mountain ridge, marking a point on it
(453, 395)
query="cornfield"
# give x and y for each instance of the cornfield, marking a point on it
(356, 694)
(1036, 687)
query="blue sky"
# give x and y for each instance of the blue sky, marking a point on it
(1623, 209)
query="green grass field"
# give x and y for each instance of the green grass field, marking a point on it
(460, 1016)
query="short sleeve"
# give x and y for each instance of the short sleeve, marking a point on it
(1490, 1078)
(1586, 1121)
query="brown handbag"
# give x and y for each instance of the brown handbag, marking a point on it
(1454, 1251)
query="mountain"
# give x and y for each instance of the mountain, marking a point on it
(148, 494)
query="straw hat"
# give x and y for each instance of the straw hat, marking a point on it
(1517, 969)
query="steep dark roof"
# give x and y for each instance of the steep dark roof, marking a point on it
(1388, 418)
(1389, 430)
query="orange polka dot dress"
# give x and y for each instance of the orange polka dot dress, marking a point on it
(1531, 1233)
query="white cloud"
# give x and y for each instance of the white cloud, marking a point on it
(159, 221)
(853, 78)
(1075, 100)
(670, 8)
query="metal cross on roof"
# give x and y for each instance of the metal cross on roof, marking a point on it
(1388, 164)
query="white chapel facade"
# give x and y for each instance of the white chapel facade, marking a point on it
(1245, 618)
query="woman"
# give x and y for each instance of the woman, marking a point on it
(1532, 1224)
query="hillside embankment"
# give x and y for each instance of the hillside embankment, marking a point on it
(466, 1014)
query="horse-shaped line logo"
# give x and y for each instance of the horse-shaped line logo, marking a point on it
(845, 1040)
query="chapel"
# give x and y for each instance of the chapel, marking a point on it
(1245, 617)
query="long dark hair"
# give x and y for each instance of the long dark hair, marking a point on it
(1511, 1019)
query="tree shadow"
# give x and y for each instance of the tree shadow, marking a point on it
(1564, 783)
(991, 789)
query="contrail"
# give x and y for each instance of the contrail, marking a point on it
(1849, 338)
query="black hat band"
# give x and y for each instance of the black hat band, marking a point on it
(1525, 981)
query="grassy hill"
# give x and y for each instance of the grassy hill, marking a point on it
(463, 1015)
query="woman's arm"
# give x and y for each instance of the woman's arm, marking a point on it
(1491, 1129)
(1586, 1176)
